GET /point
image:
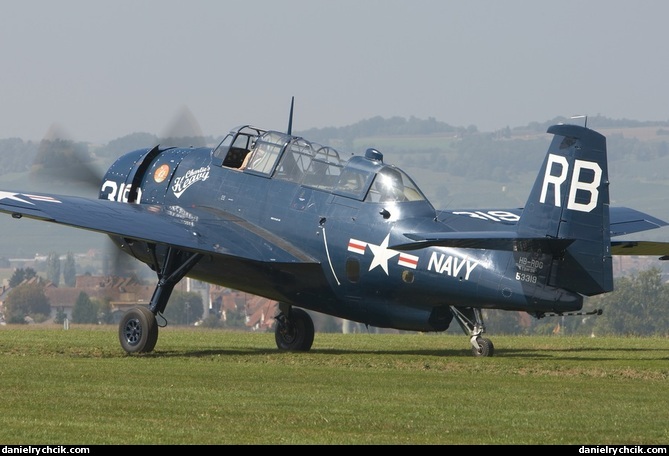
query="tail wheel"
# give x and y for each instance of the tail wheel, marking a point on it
(296, 332)
(486, 348)
(138, 330)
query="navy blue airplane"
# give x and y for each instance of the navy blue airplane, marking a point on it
(276, 215)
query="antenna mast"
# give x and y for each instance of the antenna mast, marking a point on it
(585, 122)
(290, 119)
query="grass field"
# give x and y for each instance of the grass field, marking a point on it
(204, 386)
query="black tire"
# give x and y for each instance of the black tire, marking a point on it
(153, 337)
(486, 348)
(295, 333)
(138, 330)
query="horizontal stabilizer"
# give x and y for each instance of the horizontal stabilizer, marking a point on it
(625, 221)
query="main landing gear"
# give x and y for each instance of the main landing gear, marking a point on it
(471, 322)
(294, 329)
(138, 329)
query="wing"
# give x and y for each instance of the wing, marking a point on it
(194, 229)
(641, 248)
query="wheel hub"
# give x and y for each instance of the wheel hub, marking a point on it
(133, 331)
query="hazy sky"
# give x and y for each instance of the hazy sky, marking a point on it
(104, 69)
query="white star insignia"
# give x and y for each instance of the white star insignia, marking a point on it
(382, 254)
(12, 196)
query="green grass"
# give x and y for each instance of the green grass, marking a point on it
(219, 387)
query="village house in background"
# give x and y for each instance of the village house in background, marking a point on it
(123, 293)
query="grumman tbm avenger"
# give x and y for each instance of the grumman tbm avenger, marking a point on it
(276, 215)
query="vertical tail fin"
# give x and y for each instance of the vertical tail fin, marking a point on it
(570, 200)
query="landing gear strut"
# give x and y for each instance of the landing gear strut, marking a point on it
(138, 329)
(471, 322)
(294, 329)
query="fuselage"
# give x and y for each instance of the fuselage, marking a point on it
(344, 216)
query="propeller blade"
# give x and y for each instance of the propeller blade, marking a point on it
(62, 161)
(117, 263)
(183, 131)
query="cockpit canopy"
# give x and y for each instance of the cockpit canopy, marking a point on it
(281, 156)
